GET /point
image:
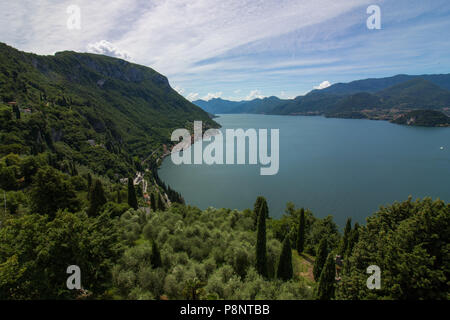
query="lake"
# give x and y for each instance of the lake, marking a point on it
(340, 167)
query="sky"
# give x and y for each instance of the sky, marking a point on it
(242, 49)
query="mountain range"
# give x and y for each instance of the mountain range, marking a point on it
(384, 98)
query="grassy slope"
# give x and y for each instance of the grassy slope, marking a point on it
(302, 267)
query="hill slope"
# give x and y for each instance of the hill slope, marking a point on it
(218, 105)
(377, 84)
(78, 98)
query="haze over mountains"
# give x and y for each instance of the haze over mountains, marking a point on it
(384, 98)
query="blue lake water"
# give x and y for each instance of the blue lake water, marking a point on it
(340, 167)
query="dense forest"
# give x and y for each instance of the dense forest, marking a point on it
(74, 131)
(426, 118)
(181, 252)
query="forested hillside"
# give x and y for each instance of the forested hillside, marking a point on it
(218, 105)
(88, 107)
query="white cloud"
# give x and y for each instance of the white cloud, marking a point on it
(107, 48)
(210, 96)
(179, 34)
(192, 96)
(254, 94)
(323, 85)
(179, 89)
(195, 96)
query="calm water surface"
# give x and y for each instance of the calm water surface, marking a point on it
(340, 167)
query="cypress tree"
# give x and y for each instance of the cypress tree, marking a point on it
(132, 200)
(139, 190)
(261, 254)
(265, 208)
(260, 203)
(345, 238)
(321, 257)
(325, 290)
(96, 199)
(89, 182)
(16, 110)
(119, 196)
(256, 209)
(257, 205)
(301, 232)
(352, 239)
(160, 203)
(152, 202)
(155, 258)
(73, 169)
(284, 270)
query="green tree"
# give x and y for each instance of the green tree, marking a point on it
(7, 178)
(35, 253)
(284, 270)
(139, 190)
(352, 240)
(89, 182)
(193, 289)
(260, 202)
(345, 238)
(321, 257)
(97, 198)
(160, 203)
(409, 241)
(132, 200)
(50, 192)
(301, 232)
(326, 287)
(152, 202)
(10, 273)
(119, 196)
(13, 201)
(17, 112)
(265, 209)
(319, 229)
(156, 256)
(261, 251)
(29, 167)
